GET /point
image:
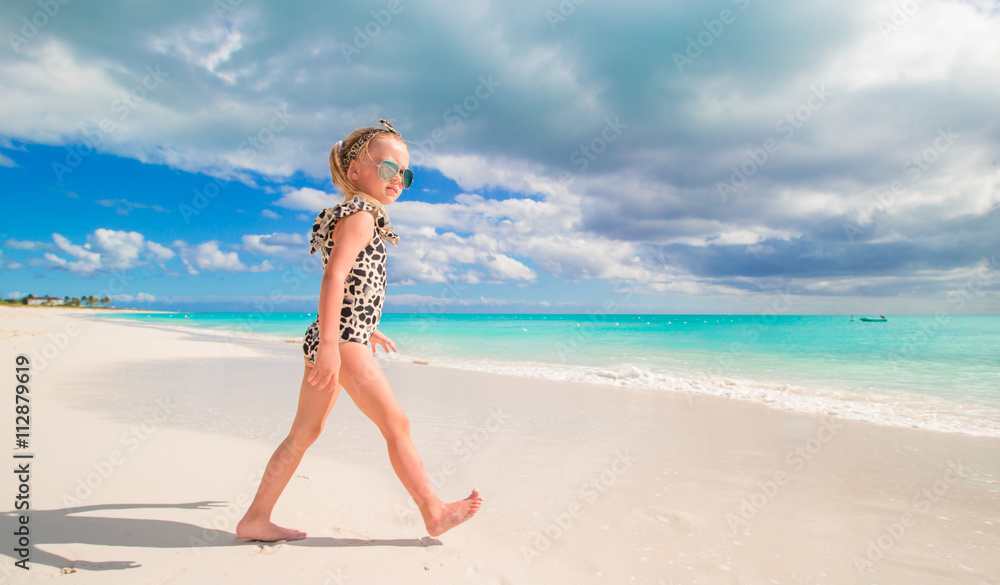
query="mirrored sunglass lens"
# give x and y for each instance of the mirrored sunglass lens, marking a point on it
(387, 170)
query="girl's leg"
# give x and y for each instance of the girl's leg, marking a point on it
(368, 387)
(313, 409)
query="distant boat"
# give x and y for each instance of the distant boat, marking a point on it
(881, 319)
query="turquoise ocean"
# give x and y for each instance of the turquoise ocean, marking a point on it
(939, 373)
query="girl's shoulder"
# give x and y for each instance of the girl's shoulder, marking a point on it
(327, 220)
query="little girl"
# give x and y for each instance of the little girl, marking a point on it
(370, 167)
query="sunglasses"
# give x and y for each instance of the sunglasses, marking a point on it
(388, 169)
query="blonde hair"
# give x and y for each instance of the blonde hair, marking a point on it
(355, 146)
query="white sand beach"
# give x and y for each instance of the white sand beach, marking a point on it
(147, 445)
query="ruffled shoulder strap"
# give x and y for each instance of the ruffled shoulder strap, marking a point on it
(327, 220)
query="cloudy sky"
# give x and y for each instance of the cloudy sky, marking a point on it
(571, 156)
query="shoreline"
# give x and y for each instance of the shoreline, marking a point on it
(887, 407)
(78, 310)
(582, 484)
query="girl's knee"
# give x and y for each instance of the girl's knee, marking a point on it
(301, 438)
(396, 426)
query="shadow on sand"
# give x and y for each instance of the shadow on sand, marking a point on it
(80, 526)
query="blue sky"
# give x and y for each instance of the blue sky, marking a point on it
(710, 157)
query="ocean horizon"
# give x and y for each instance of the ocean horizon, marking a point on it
(933, 372)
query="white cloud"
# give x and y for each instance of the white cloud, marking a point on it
(160, 253)
(64, 98)
(105, 250)
(208, 256)
(209, 45)
(268, 214)
(26, 245)
(506, 235)
(86, 262)
(504, 267)
(276, 244)
(119, 249)
(308, 199)
(264, 266)
(435, 303)
(139, 298)
(6, 161)
(905, 55)
(124, 206)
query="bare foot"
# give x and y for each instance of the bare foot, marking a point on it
(266, 531)
(451, 515)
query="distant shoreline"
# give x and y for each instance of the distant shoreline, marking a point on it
(19, 305)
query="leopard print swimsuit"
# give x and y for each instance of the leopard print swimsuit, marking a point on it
(365, 288)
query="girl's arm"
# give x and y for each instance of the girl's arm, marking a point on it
(355, 233)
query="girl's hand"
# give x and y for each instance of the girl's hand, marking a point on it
(326, 370)
(379, 338)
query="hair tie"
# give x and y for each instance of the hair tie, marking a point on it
(389, 126)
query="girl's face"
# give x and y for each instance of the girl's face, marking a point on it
(365, 176)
